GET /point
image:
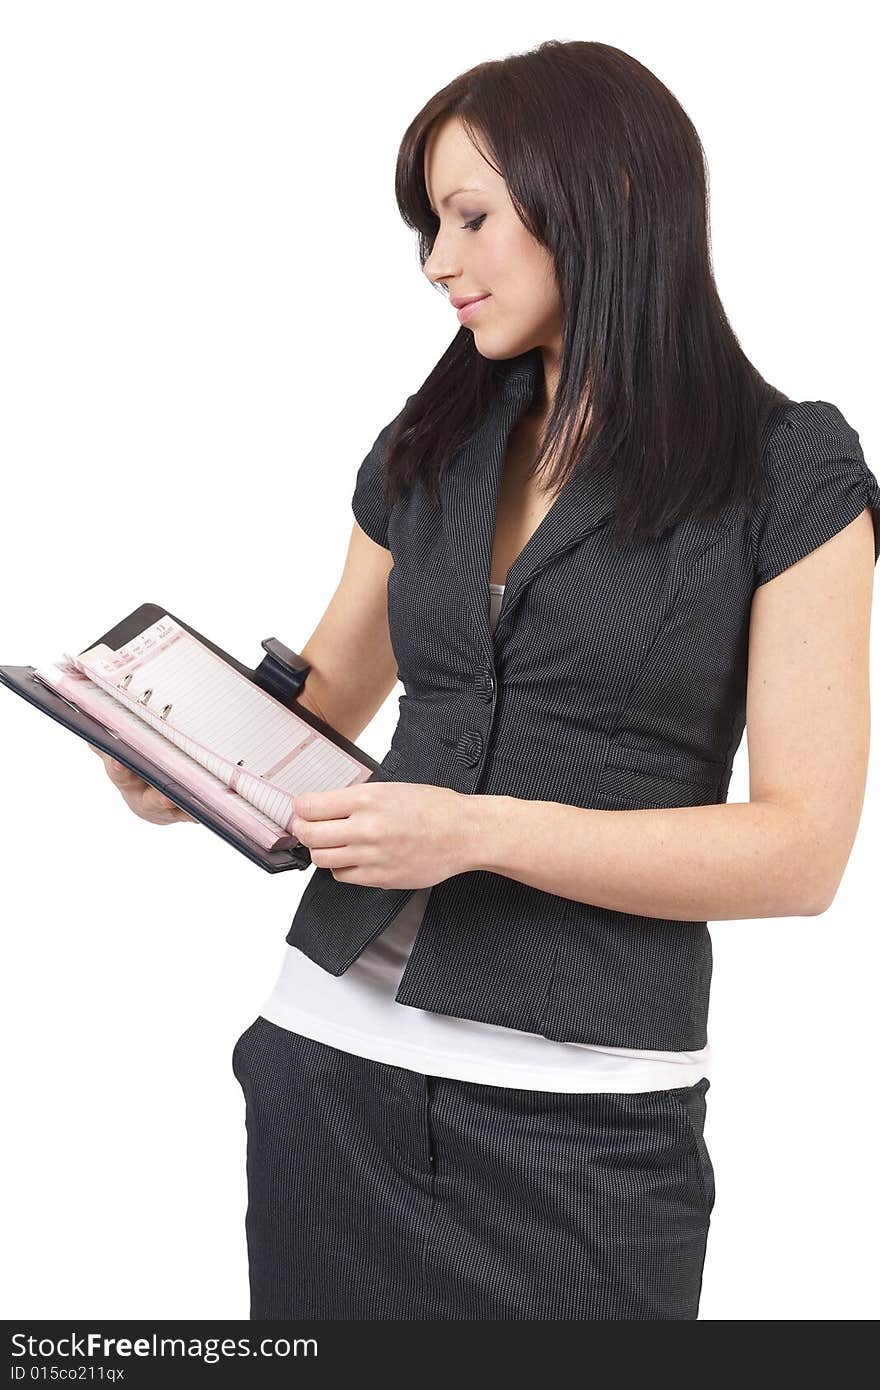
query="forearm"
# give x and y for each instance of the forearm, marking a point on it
(338, 703)
(694, 863)
(308, 699)
(345, 711)
(348, 681)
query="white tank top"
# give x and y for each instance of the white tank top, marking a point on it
(357, 1012)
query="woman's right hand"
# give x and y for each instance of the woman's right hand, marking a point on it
(144, 800)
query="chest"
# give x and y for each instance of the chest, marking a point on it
(523, 501)
(587, 630)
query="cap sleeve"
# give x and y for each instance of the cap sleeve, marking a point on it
(368, 500)
(817, 483)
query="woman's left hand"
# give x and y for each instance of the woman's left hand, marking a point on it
(385, 834)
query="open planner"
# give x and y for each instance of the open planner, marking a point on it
(226, 743)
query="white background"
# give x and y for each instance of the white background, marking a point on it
(210, 307)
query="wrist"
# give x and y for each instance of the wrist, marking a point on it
(478, 829)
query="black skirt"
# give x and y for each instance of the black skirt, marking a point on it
(379, 1192)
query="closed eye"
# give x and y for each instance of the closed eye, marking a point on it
(476, 224)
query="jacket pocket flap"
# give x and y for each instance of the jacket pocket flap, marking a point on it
(642, 778)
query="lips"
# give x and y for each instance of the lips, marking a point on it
(471, 308)
(460, 302)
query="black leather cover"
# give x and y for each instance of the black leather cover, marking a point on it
(281, 673)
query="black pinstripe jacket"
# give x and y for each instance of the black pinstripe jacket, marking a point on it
(614, 679)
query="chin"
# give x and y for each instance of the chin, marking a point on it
(494, 351)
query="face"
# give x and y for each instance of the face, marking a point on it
(482, 248)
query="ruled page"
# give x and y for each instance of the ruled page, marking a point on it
(240, 733)
(76, 689)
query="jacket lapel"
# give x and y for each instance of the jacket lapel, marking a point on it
(470, 503)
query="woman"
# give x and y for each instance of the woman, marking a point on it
(478, 1088)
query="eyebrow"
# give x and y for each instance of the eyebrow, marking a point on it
(450, 196)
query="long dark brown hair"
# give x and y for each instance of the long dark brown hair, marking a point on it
(606, 170)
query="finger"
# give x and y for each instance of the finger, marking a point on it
(154, 800)
(332, 804)
(336, 859)
(355, 874)
(118, 772)
(324, 834)
(107, 757)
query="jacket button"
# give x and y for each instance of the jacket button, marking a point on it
(469, 747)
(485, 684)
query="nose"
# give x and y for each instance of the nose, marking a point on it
(437, 272)
(440, 265)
